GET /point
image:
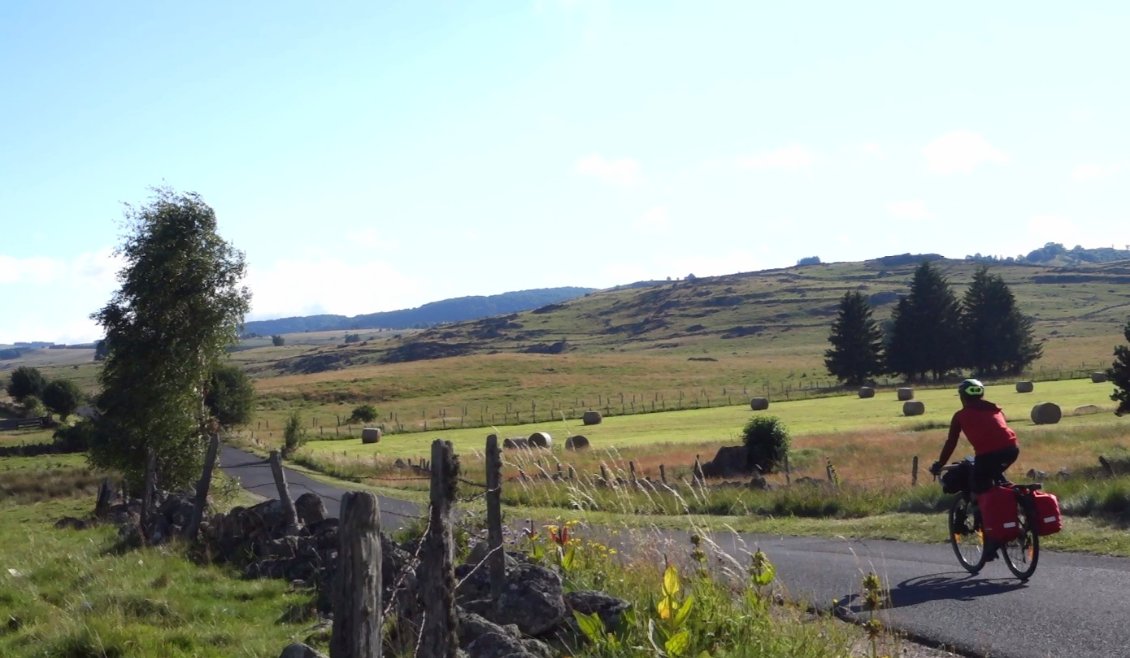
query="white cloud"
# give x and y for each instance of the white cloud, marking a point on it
(960, 152)
(655, 220)
(328, 285)
(1091, 171)
(623, 172)
(914, 210)
(787, 158)
(872, 149)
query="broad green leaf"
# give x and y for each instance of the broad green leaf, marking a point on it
(664, 607)
(677, 644)
(568, 557)
(765, 576)
(591, 625)
(683, 611)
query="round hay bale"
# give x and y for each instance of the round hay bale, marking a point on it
(1098, 377)
(905, 393)
(515, 442)
(866, 392)
(370, 435)
(577, 442)
(540, 440)
(1046, 413)
(1025, 387)
(759, 404)
(591, 418)
(1087, 410)
(913, 408)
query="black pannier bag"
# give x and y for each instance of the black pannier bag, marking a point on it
(957, 479)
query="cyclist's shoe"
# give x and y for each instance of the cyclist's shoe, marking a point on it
(990, 549)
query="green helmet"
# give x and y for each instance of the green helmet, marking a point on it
(972, 388)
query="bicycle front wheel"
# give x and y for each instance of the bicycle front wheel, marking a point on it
(1023, 553)
(965, 534)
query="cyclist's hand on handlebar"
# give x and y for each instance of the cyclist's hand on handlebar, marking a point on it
(936, 468)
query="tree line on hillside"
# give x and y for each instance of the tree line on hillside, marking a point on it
(931, 333)
(1054, 252)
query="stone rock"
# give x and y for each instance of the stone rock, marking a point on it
(533, 599)
(177, 509)
(482, 638)
(729, 461)
(759, 482)
(297, 650)
(608, 607)
(310, 509)
(71, 522)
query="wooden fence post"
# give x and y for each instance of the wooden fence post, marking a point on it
(497, 559)
(604, 475)
(699, 476)
(663, 473)
(202, 488)
(284, 493)
(438, 637)
(356, 629)
(632, 468)
(914, 472)
(147, 493)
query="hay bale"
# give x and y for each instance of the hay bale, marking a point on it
(866, 392)
(913, 408)
(577, 442)
(1098, 377)
(1024, 387)
(905, 393)
(540, 440)
(515, 442)
(759, 404)
(591, 418)
(370, 434)
(1046, 413)
(1086, 410)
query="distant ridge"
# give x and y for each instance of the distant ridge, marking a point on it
(458, 309)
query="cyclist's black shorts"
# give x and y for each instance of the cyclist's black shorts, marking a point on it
(987, 468)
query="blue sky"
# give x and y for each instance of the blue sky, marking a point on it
(370, 156)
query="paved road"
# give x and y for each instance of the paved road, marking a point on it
(1075, 606)
(255, 475)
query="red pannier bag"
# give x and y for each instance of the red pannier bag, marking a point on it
(1048, 520)
(999, 517)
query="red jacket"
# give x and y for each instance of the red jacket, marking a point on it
(984, 425)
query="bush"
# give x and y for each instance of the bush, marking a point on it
(229, 395)
(76, 438)
(365, 413)
(294, 435)
(766, 441)
(277, 340)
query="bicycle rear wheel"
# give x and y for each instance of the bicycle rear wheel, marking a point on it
(965, 534)
(1023, 553)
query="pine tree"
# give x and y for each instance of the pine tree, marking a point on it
(998, 338)
(926, 330)
(857, 343)
(1119, 374)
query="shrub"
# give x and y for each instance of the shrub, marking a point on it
(277, 340)
(767, 442)
(76, 438)
(294, 435)
(365, 413)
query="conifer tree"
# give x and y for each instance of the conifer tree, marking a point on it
(998, 338)
(1119, 374)
(926, 330)
(857, 342)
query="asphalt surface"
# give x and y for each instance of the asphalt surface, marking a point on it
(1075, 606)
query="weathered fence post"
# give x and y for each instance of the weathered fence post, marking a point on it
(438, 636)
(699, 476)
(832, 474)
(147, 493)
(914, 472)
(357, 582)
(497, 559)
(632, 468)
(284, 492)
(604, 475)
(202, 488)
(663, 473)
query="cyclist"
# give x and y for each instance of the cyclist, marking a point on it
(994, 443)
